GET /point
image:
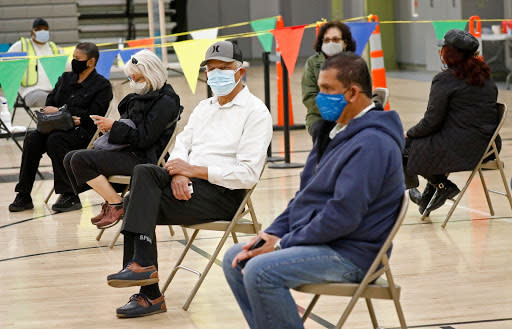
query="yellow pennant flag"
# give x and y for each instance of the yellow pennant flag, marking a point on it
(190, 55)
(69, 51)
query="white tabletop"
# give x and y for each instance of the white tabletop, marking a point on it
(496, 37)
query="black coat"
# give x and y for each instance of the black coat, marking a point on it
(155, 115)
(91, 96)
(456, 128)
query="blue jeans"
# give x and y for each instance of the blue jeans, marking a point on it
(263, 291)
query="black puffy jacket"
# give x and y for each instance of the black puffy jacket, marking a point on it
(155, 115)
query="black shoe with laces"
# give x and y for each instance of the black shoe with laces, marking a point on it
(67, 202)
(140, 305)
(21, 202)
(422, 199)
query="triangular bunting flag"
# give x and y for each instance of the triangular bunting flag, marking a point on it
(10, 79)
(289, 39)
(126, 54)
(265, 24)
(105, 62)
(190, 55)
(442, 27)
(205, 34)
(54, 67)
(361, 32)
(141, 42)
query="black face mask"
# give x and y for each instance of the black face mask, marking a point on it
(78, 66)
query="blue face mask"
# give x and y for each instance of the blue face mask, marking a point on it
(222, 82)
(331, 105)
(42, 36)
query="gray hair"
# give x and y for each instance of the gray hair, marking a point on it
(148, 64)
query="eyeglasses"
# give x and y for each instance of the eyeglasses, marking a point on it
(135, 61)
(335, 39)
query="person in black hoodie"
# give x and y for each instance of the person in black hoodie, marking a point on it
(148, 119)
(85, 93)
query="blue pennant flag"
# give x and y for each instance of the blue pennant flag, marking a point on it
(361, 32)
(126, 54)
(105, 62)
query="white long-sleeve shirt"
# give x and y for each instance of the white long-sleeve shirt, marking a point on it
(230, 139)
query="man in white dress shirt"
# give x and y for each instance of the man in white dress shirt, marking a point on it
(35, 85)
(218, 156)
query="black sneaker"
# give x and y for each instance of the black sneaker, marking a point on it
(21, 202)
(446, 190)
(140, 305)
(67, 202)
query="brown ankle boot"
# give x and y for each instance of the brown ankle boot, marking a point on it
(114, 214)
(103, 212)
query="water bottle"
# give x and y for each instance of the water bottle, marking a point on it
(5, 115)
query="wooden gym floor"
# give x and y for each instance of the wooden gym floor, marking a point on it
(53, 271)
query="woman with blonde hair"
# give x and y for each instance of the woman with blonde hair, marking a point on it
(148, 119)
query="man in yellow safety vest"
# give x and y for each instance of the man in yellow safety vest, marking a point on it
(35, 85)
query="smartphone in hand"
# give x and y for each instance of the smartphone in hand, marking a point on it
(260, 242)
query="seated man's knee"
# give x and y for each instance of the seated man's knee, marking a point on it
(230, 255)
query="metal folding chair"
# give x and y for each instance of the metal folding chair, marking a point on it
(371, 287)
(495, 164)
(238, 224)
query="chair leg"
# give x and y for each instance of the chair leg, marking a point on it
(180, 260)
(118, 233)
(308, 310)
(185, 233)
(486, 191)
(49, 195)
(98, 237)
(213, 257)
(504, 180)
(235, 239)
(171, 230)
(459, 197)
(426, 212)
(371, 310)
(396, 299)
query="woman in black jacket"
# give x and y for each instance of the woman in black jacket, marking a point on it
(152, 113)
(460, 120)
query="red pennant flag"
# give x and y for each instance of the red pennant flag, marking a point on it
(289, 39)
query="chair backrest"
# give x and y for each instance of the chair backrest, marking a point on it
(374, 272)
(502, 115)
(161, 159)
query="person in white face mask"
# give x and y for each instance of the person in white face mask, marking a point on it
(35, 85)
(149, 115)
(333, 38)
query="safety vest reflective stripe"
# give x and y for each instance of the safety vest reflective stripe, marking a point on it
(30, 77)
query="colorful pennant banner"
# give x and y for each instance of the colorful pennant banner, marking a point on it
(205, 34)
(289, 40)
(265, 24)
(10, 79)
(54, 67)
(361, 32)
(105, 62)
(190, 54)
(442, 27)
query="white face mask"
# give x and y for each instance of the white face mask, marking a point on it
(332, 48)
(42, 36)
(139, 87)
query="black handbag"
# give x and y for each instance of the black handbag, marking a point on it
(48, 122)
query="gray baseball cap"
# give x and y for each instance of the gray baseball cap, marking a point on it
(460, 40)
(225, 51)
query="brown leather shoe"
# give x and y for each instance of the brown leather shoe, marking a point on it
(103, 212)
(140, 305)
(114, 214)
(133, 275)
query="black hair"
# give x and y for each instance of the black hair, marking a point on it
(89, 49)
(352, 69)
(346, 35)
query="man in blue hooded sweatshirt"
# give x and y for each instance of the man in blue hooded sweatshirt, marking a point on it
(349, 197)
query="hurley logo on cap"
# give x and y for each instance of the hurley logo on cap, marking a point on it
(215, 48)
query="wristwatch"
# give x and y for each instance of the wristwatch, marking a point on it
(277, 246)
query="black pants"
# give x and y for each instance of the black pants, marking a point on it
(56, 144)
(152, 203)
(83, 165)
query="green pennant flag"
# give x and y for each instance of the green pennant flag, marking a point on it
(11, 73)
(442, 27)
(54, 67)
(265, 24)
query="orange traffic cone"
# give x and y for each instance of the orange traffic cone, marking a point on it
(474, 21)
(377, 58)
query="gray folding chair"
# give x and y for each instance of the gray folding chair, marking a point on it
(371, 287)
(238, 224)
(495, 164)
(125, 180)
